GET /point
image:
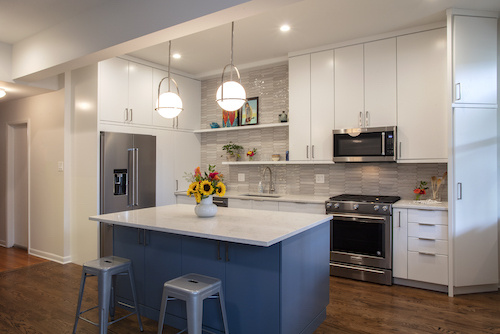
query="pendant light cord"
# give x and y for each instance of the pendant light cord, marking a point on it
(232, 38)
(168, 64)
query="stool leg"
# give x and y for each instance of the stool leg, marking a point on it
(104, 282)
(223, 310)
(134, 295)
(112, 298)
(79, 304)
(163, 309)
(194, 308)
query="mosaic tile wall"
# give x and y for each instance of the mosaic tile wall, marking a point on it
(270, 84)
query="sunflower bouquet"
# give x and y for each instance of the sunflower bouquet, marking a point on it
(206, 184)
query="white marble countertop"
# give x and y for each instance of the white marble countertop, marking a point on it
(251, 227)
(423, 205)
(312, 199)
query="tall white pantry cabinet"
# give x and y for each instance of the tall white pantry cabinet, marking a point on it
(472, 44)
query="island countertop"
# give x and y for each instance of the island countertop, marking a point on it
(251, 227)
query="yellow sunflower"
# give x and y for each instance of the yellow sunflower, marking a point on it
(221, 189)
(197, 197)
(192, 189)
(206, 188)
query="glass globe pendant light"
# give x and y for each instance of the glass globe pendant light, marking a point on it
(231, 95)
(169, 104)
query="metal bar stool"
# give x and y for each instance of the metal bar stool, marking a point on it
(106, 269)
(193, 289)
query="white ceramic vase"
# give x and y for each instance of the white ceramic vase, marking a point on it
(206, 208)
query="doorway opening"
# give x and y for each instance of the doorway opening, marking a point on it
(18, 184)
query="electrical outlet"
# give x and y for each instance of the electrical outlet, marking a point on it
(320, 178)
(241, 177)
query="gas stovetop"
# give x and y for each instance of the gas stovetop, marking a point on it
(365, 198)
(366, 204)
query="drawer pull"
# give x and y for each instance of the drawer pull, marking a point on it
(424, 253)
(426, 224)
(429, 239)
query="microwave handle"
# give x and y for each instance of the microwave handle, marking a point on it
(383, 143)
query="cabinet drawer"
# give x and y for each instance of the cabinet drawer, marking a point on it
(180, 199)
(428, 246)
(265, 205)
(428, 216)
(428, 268)
(302, 207)
(421, 230)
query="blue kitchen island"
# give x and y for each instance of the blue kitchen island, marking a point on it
(274, 266)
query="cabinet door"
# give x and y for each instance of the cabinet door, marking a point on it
(140, 101)
(422, 120)
(206, 257)
(128, 243)
(163, 262)
(300, 107)
(252, 288)
(165, 180)
(187, 148)
(400, 243)
(380, 83)
(349, 92)
(475, 59)
(322, 112)
(475, 241)
(113, 90)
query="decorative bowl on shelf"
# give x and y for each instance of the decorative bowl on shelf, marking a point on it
(275, 157)
(214, 125)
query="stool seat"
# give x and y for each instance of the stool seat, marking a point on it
(193, 289)
(106, 269)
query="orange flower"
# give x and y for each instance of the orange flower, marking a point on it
(197, 171)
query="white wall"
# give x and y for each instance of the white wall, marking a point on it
(45, 114)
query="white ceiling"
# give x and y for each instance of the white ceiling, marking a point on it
(313, 23)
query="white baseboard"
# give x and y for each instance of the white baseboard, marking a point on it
(3, 243)
(50, 256)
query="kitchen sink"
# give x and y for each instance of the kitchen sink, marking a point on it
(261, 195)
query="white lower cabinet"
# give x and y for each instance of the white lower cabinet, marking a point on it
(277, 206)
(302, 207)
(420, 245)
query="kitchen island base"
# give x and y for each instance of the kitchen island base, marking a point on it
(283, 288)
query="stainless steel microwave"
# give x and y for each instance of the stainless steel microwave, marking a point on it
(365, 144)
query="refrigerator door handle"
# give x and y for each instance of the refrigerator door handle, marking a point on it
(132, 165)
(136, 176)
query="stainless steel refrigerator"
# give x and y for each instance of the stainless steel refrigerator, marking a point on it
(128, 178)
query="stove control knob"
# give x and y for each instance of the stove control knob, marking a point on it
(328, 205)
(376, 207)
(336, 205)
(355, 206)
(385, 208)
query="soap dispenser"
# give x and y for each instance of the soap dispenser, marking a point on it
(261, 188)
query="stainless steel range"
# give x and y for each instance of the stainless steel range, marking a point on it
(361, 237)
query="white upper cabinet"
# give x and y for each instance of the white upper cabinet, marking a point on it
(349, 90)
(125, 93)
(190, 93)
(421, 96)
(474, 60)
(311, 106)
(380, 83)
(365, 85)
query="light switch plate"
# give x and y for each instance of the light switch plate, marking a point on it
(60, 166)
(241, 177)
(320, 178)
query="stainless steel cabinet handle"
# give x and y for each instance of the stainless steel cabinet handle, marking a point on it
(400, 150)
(126, 114)
(459, 190)
(139, 236)
(227, 252)
(425, 253)
(367, 119)
(218, 251)
(458, 91)
(426, 224)
(383, 142)
(176, 185)
(307, 151)
(428, 239)
(399, 219)
(360, 119)
(131, 114)
(312, 152)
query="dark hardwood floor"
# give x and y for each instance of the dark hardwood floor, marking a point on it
(42, 298)
(15, 258)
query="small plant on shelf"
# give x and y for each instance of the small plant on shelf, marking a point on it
(420, 190)
(251, 153)
(232, 151)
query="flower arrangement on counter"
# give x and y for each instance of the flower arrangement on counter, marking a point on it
(420, 190)
(251, 153)
(206, 184)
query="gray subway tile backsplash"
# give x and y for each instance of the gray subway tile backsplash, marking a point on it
(270, 84)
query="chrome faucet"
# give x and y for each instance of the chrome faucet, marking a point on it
(271, 185)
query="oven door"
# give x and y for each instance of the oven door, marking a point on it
(361, 240)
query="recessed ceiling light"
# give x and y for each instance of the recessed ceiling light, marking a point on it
(285, 27)
(2, 93)
(176, 56)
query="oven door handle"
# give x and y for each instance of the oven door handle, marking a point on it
(363, 219)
